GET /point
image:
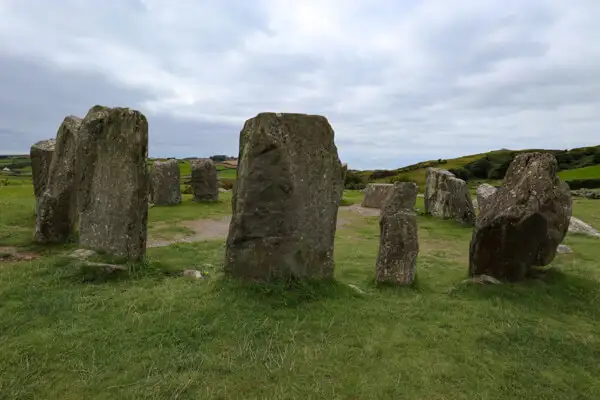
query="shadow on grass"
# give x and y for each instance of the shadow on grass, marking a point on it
(548, 291)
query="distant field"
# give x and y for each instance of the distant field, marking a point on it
(580, 173)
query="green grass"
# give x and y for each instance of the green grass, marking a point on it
(580, 173)
(70, 333)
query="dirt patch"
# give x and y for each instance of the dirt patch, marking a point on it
(364, 211)
(12, 254)
(206, 229)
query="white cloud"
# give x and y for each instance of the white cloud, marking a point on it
(398, 80)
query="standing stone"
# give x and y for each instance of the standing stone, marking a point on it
(446, 196)
(204, 182)
(524, 222)
(112, 197)
(285, 199)
(165, 183)
(484, 193)
(57, 216)
(40, 156)
(398, 243)
(376, 194)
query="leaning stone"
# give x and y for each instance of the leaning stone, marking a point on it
(285, 200)
(40, 156)
(204, 181)
(448, 197)
(578, 226)
(376, 194)
(485, 191)
(57, 212)
(399, 243)
(165, 183)
(113, 181)
(524, 222)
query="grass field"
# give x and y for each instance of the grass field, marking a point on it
(581, 173)
(69, 333)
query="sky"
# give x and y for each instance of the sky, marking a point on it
(400, 81)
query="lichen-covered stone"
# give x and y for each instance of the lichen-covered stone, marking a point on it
(448, 197)
(41, 154)
(524, 222)
(376, 194)
(165, 183)
(398, 242)
(113, 181)
(57, 211)
(285, 200)
(204, 181)
(485, 191)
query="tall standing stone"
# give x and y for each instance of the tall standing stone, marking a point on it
(165, 183)
(285, 200)
(204, 182)
(448, 197)
(376, 194)
(57, 216)
(398, 243)
(524, 222)
(113, 181)
(40, 155)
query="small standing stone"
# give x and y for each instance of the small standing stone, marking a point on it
(398, 243)
(376, 194)
(112, 181)
(485, 191)
(446, 196)
(57, 211)
(41, 154)
(204, 182)
(165, 183)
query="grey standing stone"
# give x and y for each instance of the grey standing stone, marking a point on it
(376, 194)
(113, 181)
(165, 183)
(285, 200)
(204, 181)
(485, 191)
(57, 216)
(448, 197)
(524, 222)
(398, 243)
(40, 155)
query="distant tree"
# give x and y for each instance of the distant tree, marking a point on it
(461, 173)
(597, 157)
(479, 168)
(219, 158)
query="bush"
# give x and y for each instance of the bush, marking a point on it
(378, 174)
(461, 173)
(597, 157)
(592, 183)
(354, 181)
(479, 168)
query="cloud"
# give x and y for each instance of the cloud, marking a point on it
(400, 81)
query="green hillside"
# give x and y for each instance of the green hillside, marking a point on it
(575, 164)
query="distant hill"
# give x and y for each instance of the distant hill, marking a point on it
(574, 164)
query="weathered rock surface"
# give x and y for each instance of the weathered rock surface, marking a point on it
(41, 154)
(485, 192)
(204, 181)
(398, 243)
(113, 181)
(285, 199)
(578, 226)
(448, 197)
(524, 222)
(57, 210)
(376, 194)
(586, 193)
(165, 183)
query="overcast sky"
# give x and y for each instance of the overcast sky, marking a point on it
(400, 81)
